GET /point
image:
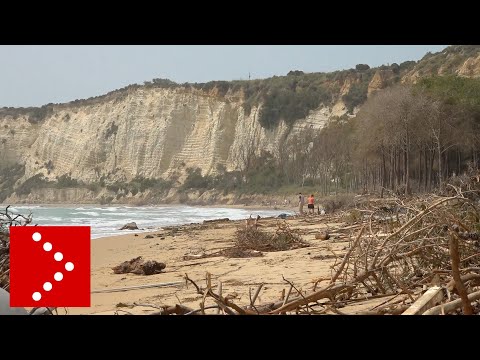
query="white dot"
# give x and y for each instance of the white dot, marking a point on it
(47, 246)
(58, 256)
(69, 266)
(36, 237)
(36, 296)
(47, 286)
(58, 276)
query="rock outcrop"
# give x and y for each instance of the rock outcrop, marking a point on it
(380, 80)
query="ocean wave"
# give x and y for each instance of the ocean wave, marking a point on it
(91, 213)
(106, 221)
(47, 218)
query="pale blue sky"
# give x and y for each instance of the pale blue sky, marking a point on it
(37, 75)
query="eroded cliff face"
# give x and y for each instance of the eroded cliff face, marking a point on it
(461, 62)
(380, 80)
(151, 133)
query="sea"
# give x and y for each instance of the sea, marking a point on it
(107, 220)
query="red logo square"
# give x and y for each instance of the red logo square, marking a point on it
(50, 266)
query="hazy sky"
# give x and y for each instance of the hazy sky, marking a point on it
(37, 75)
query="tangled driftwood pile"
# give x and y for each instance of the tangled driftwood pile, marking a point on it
(250, 241)
(7, 219)
(421, 256)
(284, 238)
(4, 261)
(139, 266)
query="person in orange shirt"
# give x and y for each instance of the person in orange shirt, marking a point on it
(311, 204)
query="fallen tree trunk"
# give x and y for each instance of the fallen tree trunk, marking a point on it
(432, 296)
(327, 292)
(451, 306)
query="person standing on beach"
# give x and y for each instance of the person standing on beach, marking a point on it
(301, 202)
(311, 205)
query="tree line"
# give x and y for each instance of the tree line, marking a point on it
(406, 138)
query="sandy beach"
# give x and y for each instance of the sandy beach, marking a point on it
(178, 248)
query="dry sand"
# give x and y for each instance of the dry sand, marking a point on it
(237, 275)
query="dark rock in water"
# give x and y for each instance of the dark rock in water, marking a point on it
(129, 226)
(149, 237)
(283, 216)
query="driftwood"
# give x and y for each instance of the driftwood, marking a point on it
(453, 305)
(8, 219)
(467, 307)
(322, 236)
(136, 287)
(431, 298)
(284, 238)
(140, 267)
(416, 254)
(216, 221)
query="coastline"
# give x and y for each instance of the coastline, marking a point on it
(67, 205)
(107, 220)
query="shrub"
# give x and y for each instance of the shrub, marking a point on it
(35, 182)
(362, 67)
(66, 181)
(106, 200)
(295, 73)
(95, 186)
(195, 180)
(112, 130)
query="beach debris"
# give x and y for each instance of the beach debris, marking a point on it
(252, 222)
(427, 262)
(194, 256)
(323, 235)
(149, 237)
(126, 305)
(234, 252)
(139, 267)
(284, 238)
(7, 219)
(216, 221)
(323, 257)
(129, 226)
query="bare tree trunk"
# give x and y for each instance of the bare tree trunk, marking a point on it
(425, 167)
(455, 258)
(447, 167)
(439, 150)
(430, 173)
(384, 171)
(407, 172)
(459, 164)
